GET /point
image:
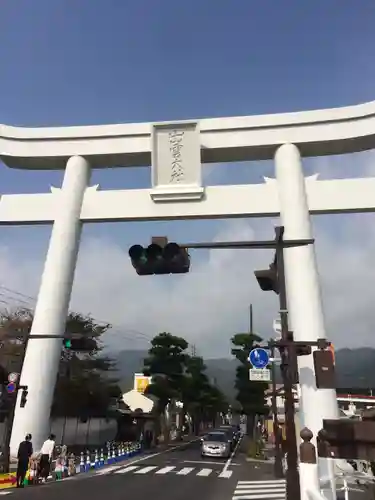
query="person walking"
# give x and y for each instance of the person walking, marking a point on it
(46, 456)
(25, 450)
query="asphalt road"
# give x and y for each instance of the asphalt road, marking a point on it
(178, 473)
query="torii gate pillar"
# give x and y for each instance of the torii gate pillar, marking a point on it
(305, 307)
(42, 356)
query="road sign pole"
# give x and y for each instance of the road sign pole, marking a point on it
(278, 464)
(288, 355)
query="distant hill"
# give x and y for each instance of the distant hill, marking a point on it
(354, 368)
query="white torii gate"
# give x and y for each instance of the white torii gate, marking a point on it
(175, 152)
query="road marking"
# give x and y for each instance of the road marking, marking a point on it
(226, 474)
(107, 470)
(271, 482)
(5, 492)
(165, 470)
(204, 472)
(259, 490)
(185, 471)
(127, 469)
(112, 468)
(204, 462)
(145, 470)
(246, 496)
(229, 461)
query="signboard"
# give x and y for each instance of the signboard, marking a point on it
(176, 162)
(141, 382)
(259, 357)
(11, 387)
(260, 375)
(13, 377)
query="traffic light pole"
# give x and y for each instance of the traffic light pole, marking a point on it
(288, 352)
(5, 459)
(288, 355)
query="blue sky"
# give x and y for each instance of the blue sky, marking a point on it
(69, 62)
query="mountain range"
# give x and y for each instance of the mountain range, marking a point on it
(354, 369)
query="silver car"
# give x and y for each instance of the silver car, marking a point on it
(215, 444)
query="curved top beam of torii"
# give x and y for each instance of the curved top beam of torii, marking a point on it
(320, 132)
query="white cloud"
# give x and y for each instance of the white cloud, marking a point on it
(210, 304)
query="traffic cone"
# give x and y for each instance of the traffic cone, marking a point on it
(82, 463)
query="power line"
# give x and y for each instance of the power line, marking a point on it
(114, 328)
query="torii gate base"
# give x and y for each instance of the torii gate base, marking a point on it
(177, 194)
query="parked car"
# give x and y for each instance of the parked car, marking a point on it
(232, 435)
(216, 444)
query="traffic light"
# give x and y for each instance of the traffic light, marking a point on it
(24, 394)
(268, 279)
(79, 343)
(160, 257)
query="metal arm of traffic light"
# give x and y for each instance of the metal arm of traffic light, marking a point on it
(261, 244)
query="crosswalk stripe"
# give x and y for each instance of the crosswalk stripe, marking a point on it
(165, 470)
(258, 497)
(260, 487)
(259, 490)
(264, 483)
(146, 469)
(107, 470)
(185, 471)
(226, 474)
(127, 469)
(204, 472)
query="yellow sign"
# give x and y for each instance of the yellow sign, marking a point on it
(141, 382)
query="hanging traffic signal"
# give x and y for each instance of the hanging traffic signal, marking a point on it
(160, 257)
(268, 279)
(24, 394)
(79, 343)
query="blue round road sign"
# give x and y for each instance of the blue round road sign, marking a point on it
(11, 387)
(259, 357)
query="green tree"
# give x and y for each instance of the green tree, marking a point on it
(201, 399)
(84, 385)
(166, 364)
(251, 395)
